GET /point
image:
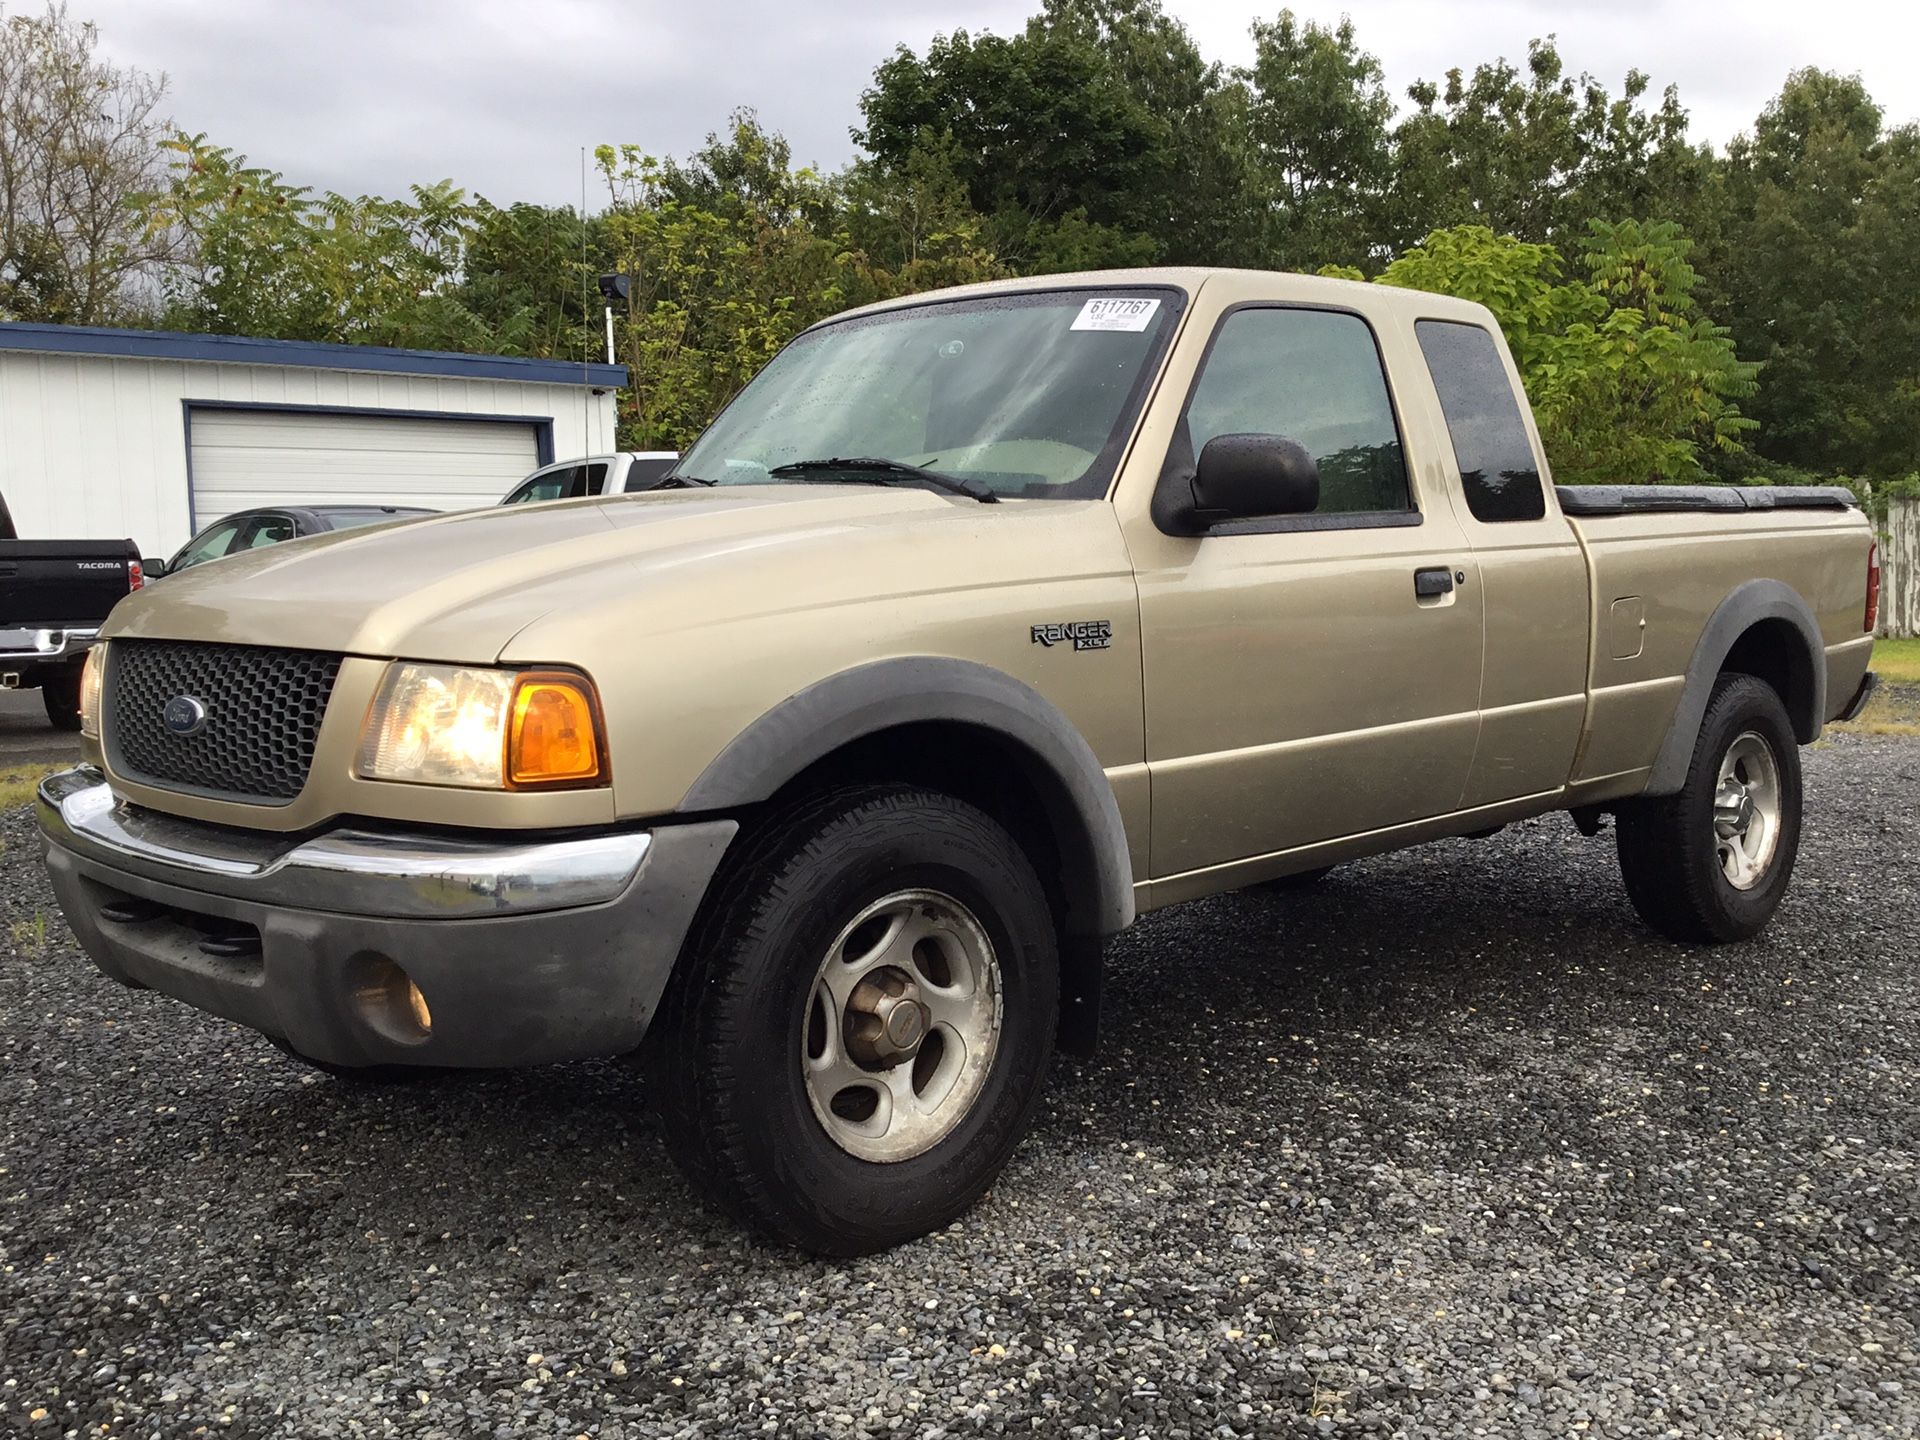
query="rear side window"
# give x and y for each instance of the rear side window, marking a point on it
(1497, 466)
(1315, 377)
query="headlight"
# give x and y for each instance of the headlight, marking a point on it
(90, 669)
(483, 729)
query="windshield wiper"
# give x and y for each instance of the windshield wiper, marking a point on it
(676, 482)
(885, 471)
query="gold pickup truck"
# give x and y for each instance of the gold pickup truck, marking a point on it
(978, 623)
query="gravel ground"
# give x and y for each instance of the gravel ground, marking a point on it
(1449, 1146)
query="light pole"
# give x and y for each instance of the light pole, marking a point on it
(614, 287)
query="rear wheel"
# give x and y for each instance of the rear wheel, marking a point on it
(1712, 862)
(61, 695)
(863, 1020)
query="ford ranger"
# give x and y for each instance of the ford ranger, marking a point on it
(977, 624)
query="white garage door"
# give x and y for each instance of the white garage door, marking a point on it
(245, 458)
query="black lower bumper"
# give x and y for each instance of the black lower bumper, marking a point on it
(505, 990)
(1869, 683)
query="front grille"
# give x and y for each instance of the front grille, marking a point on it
(263, 713)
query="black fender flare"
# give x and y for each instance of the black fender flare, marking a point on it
(1749, 604)
(1073, 790)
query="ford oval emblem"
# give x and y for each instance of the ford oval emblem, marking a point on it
(185, 715)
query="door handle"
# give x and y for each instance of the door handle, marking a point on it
(1433, 582)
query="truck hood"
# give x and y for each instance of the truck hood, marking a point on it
(459, 587)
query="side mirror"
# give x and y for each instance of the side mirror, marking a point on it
(153, 569)
(1246, 477)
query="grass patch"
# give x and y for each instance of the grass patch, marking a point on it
(1897, 660)
(17, 784)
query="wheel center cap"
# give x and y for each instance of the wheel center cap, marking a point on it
(886, 1021)
(906, 1026)
(1733, 810)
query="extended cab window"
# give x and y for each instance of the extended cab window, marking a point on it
(1315, 377)
(1490, 445)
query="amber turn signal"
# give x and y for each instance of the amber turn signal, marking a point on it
(555, 739)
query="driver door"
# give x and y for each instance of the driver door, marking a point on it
(1299, 687)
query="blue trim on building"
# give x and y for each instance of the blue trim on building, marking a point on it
(542, 428)
(309, 354)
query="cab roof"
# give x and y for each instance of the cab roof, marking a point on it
(1240, 286)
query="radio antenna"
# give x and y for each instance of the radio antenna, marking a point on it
(586, 326)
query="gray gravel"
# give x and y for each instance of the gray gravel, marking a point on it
(1449, 1146)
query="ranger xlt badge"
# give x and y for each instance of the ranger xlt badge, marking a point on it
(1085, 634)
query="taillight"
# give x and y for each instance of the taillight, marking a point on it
(1873, 587)
(135, 576)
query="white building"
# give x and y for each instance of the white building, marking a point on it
(106, 434)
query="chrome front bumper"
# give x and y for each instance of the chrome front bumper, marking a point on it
(361, 872)
(526, 951)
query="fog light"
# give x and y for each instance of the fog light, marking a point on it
(417, 1003)
(388, 1002)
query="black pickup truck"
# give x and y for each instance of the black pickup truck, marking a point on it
(54, 595)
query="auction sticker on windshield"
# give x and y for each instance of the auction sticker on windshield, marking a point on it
(1118, 312)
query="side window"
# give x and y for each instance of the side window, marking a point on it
(266, 530)
(645, 473)
(547, 485)
(596, 480)
(208, 545)
(1315, 377)
(1497, 465)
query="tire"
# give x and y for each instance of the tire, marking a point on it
(1299, 880)
(61, 695)
(1677, 864)
(742, 1063)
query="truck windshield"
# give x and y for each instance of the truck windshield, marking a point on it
(1032, 395)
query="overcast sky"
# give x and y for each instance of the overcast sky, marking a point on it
(371, 95)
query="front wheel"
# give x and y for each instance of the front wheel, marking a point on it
(1711, 862)
(863, 1022)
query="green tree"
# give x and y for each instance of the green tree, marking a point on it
(716, 291)
(1317, 118)
(1890, 373)
(263, 257)
(1815, 266)
(527, 279)
(1538, 154)
(909, 227)
(1196, 203)
(1629, 383)
(1045, 134)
